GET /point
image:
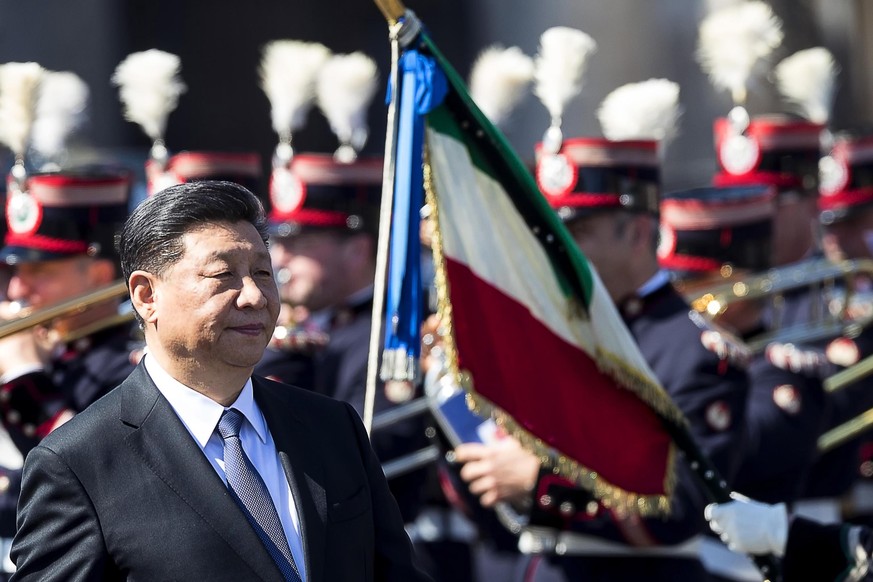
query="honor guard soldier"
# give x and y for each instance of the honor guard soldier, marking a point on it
(846, 205)
(607, 192)
(784, 151)
(714, 238)
(59, 246)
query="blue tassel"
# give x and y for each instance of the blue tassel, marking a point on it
(422, 87)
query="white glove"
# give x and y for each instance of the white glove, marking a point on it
(750, 527)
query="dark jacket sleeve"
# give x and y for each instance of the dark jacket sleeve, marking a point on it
(393, 555)
(817, 551)
(58, 534)
(785, 415)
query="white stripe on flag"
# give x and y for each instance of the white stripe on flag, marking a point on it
(482, 229)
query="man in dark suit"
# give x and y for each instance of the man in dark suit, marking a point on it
(192, 469)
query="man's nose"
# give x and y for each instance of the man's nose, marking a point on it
(251, 294)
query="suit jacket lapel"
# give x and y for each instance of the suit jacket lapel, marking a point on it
(166, 446)
(298, 451)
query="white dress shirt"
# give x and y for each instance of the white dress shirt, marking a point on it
(200, 415)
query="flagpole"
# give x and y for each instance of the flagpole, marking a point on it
(389, 8)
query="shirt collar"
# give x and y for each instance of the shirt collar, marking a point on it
(654, 283)
(201, 414)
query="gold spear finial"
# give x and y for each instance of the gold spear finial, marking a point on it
(393, 10)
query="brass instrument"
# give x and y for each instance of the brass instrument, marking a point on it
(845, 432)
(834, 317)
(69, 307)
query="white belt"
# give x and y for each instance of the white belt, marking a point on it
(542, 540)
(718, 559)
(823, 510)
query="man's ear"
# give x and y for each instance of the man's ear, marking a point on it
(142, 295)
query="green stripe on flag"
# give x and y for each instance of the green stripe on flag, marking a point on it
(461, 119)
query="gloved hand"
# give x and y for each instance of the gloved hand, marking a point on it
(749, 526)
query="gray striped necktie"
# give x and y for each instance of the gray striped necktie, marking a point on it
(251, 494)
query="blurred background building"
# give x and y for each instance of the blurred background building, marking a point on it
(219, 43)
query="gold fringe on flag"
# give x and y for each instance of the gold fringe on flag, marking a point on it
(609, 495)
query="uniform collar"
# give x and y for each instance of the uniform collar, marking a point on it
(632, 306)
(655, 282)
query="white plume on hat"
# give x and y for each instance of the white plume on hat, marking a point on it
(149, 88)
(498, 80)
(60, 110)
(559, 67)
(807, 79)
(289, 69)
(733, 40)
(19, 90)
(646, 110)
(345, 87)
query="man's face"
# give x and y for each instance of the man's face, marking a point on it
(49, 282)
(851, 238)
(605, 241)
(313, 267)
(217, 306)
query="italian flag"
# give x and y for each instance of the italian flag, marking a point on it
(532, 334)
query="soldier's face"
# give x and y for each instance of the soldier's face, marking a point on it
(311, 267)
(49, 282)
(606, 242)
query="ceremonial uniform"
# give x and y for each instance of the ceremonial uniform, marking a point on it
(56, 218)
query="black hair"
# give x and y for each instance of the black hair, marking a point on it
(151, 239)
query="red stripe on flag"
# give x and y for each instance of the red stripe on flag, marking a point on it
(553, 388)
